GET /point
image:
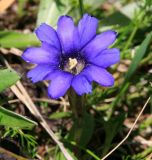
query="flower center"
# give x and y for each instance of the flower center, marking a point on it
(73, 65)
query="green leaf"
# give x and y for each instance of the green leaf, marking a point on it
(85, 127)
(122, 16)
(7, 78)
(50, 10)
(146, 123)
(116, 18)
(138, 56)
(88, 128)
(9, 39)
(21, 5)
(59, 115)
(112, 127)
(13, 120)
(143, 155)
(59, 155)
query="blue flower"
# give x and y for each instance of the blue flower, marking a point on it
(72, 56)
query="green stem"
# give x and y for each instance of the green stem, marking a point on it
(76, 103)
(123, 89)
(88, 151)
(130, 38)
(81, 7)
(78, 110)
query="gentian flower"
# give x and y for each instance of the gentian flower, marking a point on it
(72, 56)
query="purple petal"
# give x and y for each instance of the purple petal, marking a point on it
(87, 27)
(99, 43)
(81, 85)
(41, 55)
(52, 50)
(65, 32)
(60, 84)
(99, 75)
(53, 74)
(106, 58)
(46, 33)
(39, 72)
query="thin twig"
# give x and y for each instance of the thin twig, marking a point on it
(64, 104)
(107, 155)
(14, 51)
(53, 102)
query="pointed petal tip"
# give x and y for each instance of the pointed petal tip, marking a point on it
(83, 93)
(112, 31)
(32, 79)
(99, 75)
(60, 84)
(52, 96)
(40, 29)
(87, 28)
(106, 58)
(64, 17)
(89, 15)
(46, 33)
(115, 34)
(41, 25)
(111, 84)
(99, 43)
(65, 31)
(39, 72)
(50, 93)
(24, 55)
(81, 84)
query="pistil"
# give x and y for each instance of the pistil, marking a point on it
(74, 65)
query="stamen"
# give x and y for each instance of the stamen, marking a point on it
(72, 63)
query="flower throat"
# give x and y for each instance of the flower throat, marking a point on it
(73, 65)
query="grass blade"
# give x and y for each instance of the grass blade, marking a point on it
(9, 39)
(5, 80)
(13, 120)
